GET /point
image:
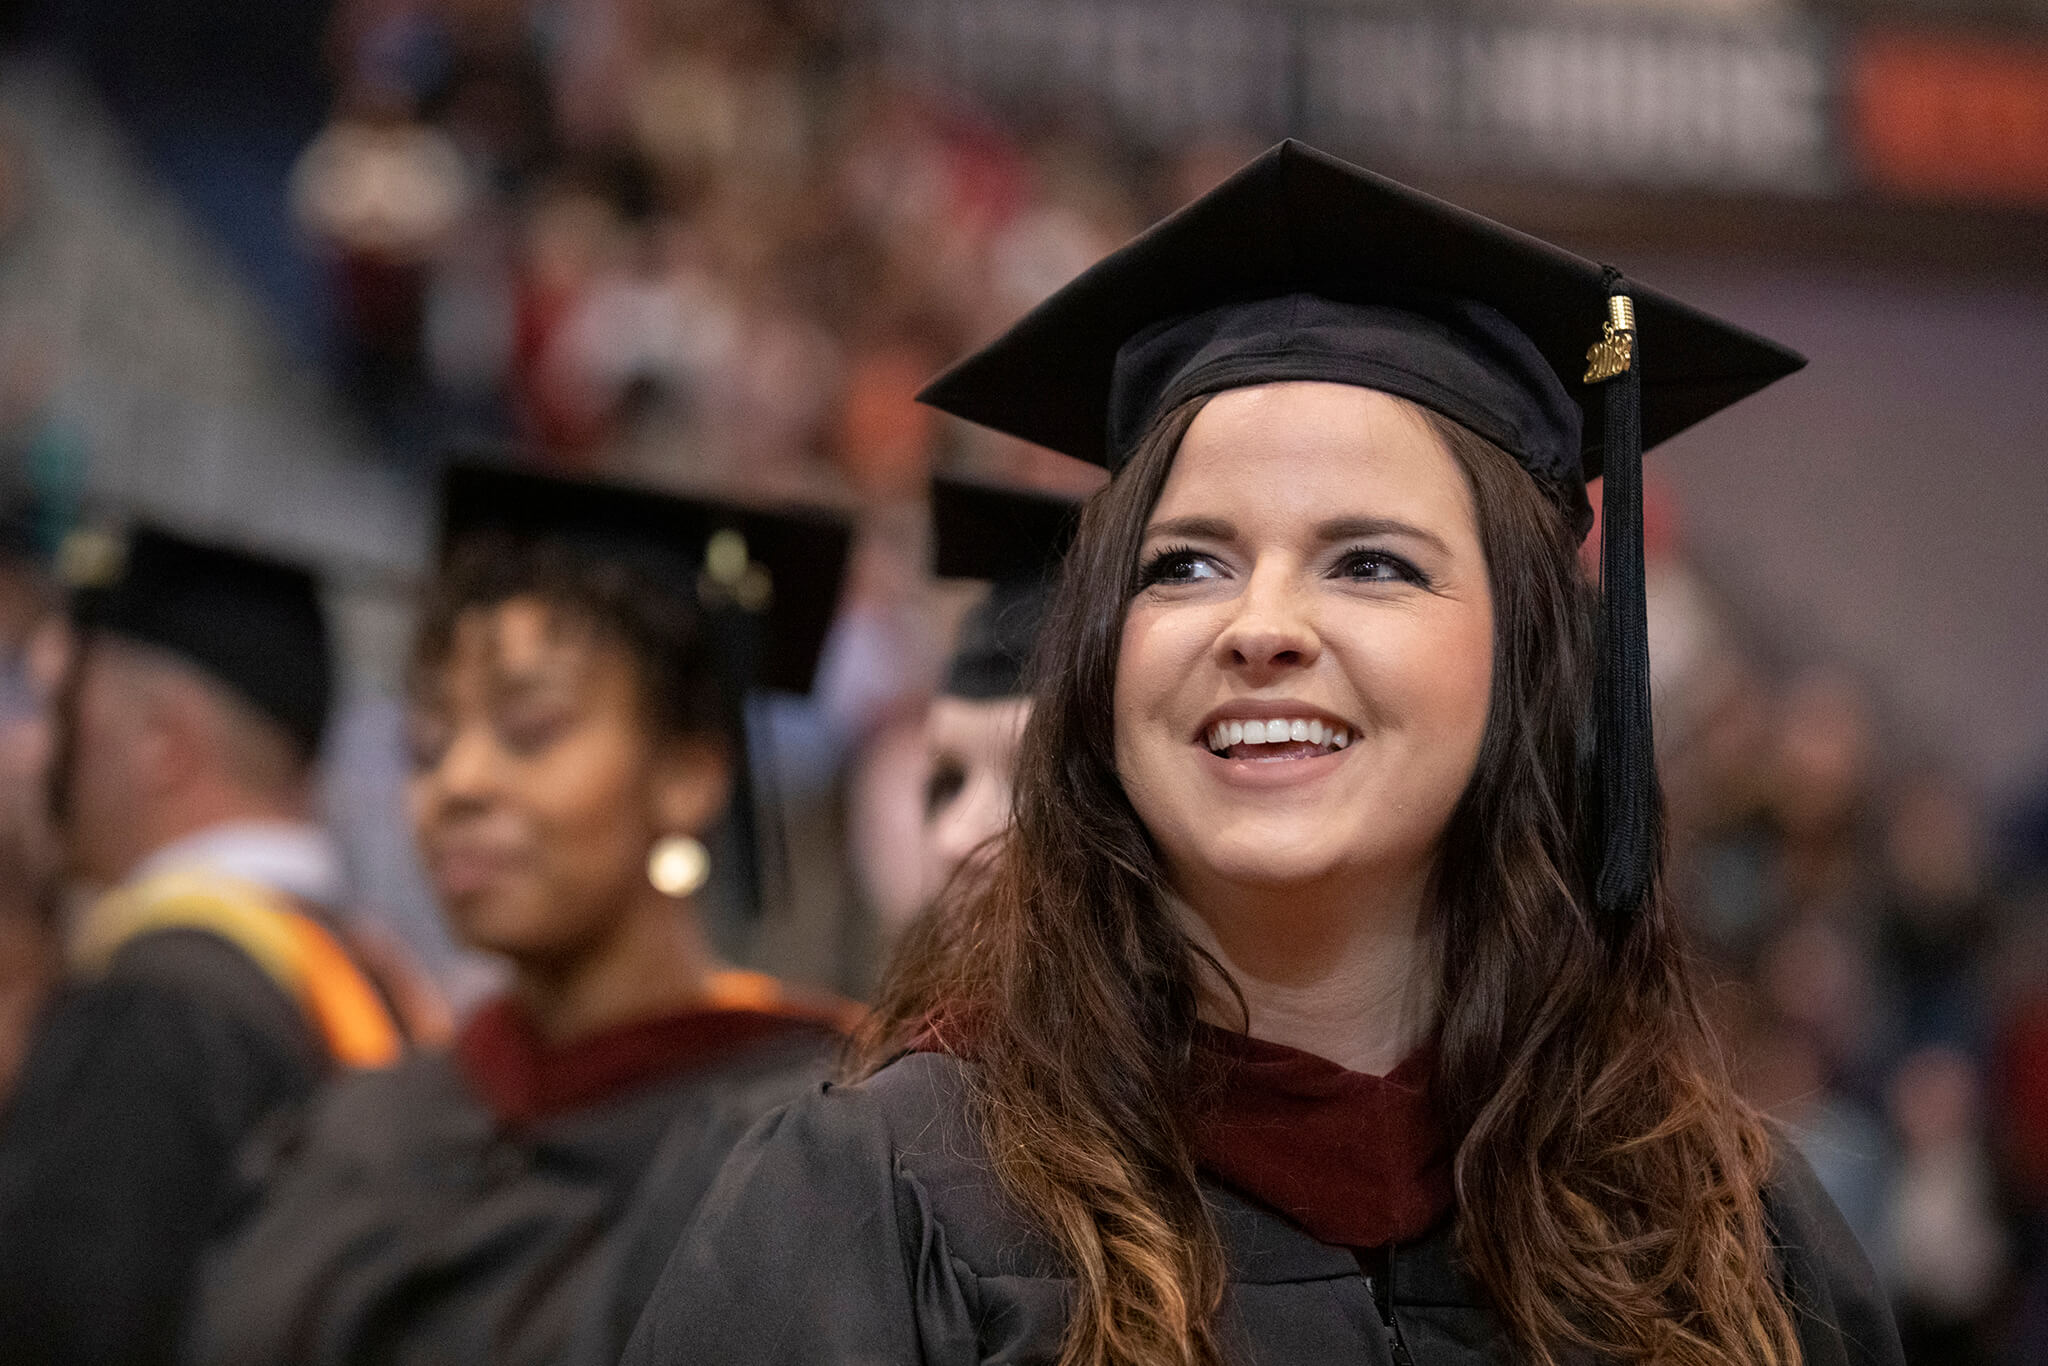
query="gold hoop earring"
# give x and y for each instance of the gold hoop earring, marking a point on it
(678, 865)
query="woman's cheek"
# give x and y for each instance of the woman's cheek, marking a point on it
(1155, 661)
(420, 807)
(1459, 690)
(587, 804)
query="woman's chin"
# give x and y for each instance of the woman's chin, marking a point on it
(1265, 867)
(503, 925)
(1265, 861)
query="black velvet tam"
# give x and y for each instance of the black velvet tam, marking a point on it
(1303, 267)
(1014, 538)
(779, 570)
(252, 622)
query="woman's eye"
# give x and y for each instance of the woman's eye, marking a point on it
(531, 734)
(1179, 565)
(945, 784)
(1377, 566)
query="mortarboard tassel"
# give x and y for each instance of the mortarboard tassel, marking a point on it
(1628, 774)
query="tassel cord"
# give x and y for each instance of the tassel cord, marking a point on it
(1628, 777)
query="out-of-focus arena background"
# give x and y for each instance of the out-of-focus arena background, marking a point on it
(264, 262)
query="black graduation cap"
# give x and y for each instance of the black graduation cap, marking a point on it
(1013, 537)
(1304, 267)
(251, 621)
(778, 570)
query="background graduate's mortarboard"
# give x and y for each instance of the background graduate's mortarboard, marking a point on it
(1014, 538)
(252, 622)
(781, 570)
(1304, 267)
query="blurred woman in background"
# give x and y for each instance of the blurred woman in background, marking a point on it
(575, 695)
(1013, 538)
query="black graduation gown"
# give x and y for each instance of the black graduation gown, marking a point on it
(860, 1225)
(399, 1221)
(138, 1088)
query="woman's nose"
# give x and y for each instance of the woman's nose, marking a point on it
(1271, 629)
(466, 773)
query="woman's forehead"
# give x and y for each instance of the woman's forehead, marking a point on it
(1311, 449)
(523, 637)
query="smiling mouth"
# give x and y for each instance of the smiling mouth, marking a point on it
(467, 871)
(1275, 740)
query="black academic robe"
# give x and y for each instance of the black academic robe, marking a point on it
(861, 1225)
(138, 1088)
(399, 1220)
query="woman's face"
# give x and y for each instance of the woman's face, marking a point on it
(537, 790)
(1313, 572)
(972, 748)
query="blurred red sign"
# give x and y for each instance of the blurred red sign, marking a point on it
(1951, 117)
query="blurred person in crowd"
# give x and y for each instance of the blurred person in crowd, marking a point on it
(212, 980)
(31, 645)
(1786, 1072)
(442, 121)
(883, 439)
(1012, 538)
(888, 653)
(1694, 659)
(1769, 828)
(576, 735)
(1945, 1245)
(1724, 842)
(2017, 1115)
(1304, 906)
(1818, 973)
(938, 788)
(1820, 787)
(382, 191)
(2018, 1064)
(1940, 915)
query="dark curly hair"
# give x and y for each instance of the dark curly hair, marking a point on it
(675, 646)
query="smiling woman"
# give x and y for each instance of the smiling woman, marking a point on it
(1313, 579)
(1322, 1004)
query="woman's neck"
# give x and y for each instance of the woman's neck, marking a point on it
(1326, 971)
(655, 961)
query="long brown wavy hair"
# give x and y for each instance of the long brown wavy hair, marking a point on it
(1611, 1177)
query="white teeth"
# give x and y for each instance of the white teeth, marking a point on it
(1225, 734)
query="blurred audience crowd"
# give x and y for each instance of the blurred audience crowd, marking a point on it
(691, 236)
(704, 244)
(1886, 972)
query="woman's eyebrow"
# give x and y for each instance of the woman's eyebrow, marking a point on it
(1336, 529)
(528, 677)
(1364, 528)
(1193, 528)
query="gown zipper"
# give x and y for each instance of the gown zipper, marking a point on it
(1382, 1290)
